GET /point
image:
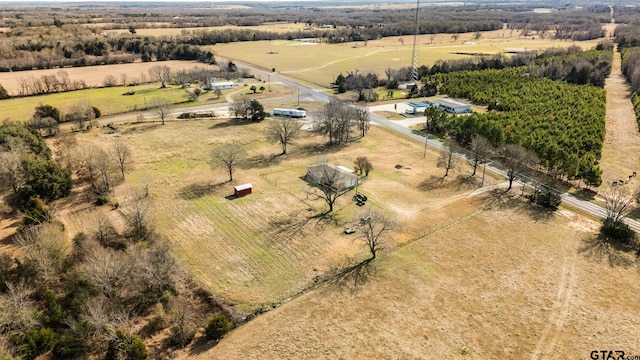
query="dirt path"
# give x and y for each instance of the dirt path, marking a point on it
(621, 150)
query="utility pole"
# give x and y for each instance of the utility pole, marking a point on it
(414, 56)
(269, 81)
(298, 96)
(425, 145)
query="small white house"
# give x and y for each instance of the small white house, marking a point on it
(337, 177)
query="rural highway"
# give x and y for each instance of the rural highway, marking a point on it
(309, 94)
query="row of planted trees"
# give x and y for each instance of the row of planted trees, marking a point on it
(562, 124)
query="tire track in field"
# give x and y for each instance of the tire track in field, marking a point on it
(560, 310)
(333, 62)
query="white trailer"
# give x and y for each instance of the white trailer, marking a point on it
(290, 112)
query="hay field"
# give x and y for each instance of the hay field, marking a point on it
(321, 63)
(94, 75)
(268, 246)
(506, 283)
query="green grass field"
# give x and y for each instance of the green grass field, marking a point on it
(108, 100)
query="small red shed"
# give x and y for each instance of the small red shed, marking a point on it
(242, 190)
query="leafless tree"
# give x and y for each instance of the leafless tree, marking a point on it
(617, 203)
(227, 156)
(17, 311)
(448, 159)
(283, 131)
(11, 170)
(161, 107)
(218, 93)
(138, 215)
(517, 161)
(161, 73)
(327, 182)
(122, 155)
(240, 107)
(362, 119)
(82, 113)
(480, 149)
(374, 225)
(109, 81)
(46, 250)
(103, 231)
(64, 145)
(336, 122)
(63, 80)
(96, 165)
(85, 156)
(363, 165)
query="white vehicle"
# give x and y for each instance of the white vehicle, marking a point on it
(290, 112)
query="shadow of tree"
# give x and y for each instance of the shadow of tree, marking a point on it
(231, 122)
(616, 253)
(317, 149)
(140, 128)
(262, 161)
(355, 275)
(433, 183)
(501, 198)
(463, 182)
(196, 191)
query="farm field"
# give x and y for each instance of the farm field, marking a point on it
(266, 247)
(321, 63)
(484, 288)
(94, 75)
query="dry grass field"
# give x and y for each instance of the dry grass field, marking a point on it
(94, 75)
(270, 245)
(167, 31)
(506, 283)
(321, 63)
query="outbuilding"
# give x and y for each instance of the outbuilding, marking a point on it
(242, 190)
(337, 177)
(453, 107)
(222, 85)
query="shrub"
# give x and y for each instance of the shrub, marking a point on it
(37, 341)
(101, 200)
(96, 112)
(181, 336)
(127, 346)
(70, 347)
(217, 327)
(617, 230)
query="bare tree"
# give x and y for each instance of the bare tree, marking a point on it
(362, 119)
(240, 108)
(96, 166)
(11, 170)
(227, 156)
(161, 107)
(63, 80)
(617, 203)
(283, 131)
(122, 155)
(448, 159)
(336, 122)
(161, 73)
(328, 183)
(480, 149)
(374, 225)
(138, 214)
(363, 165)
(517, 160)
(82, 113)
(17, 311)
(46, 251)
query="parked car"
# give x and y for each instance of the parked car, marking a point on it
(349, 230)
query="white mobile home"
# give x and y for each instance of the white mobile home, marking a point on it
(222, 85)
(289, 112)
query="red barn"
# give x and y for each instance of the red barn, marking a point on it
(242, 190)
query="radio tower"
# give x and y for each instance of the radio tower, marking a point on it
(414, 56)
